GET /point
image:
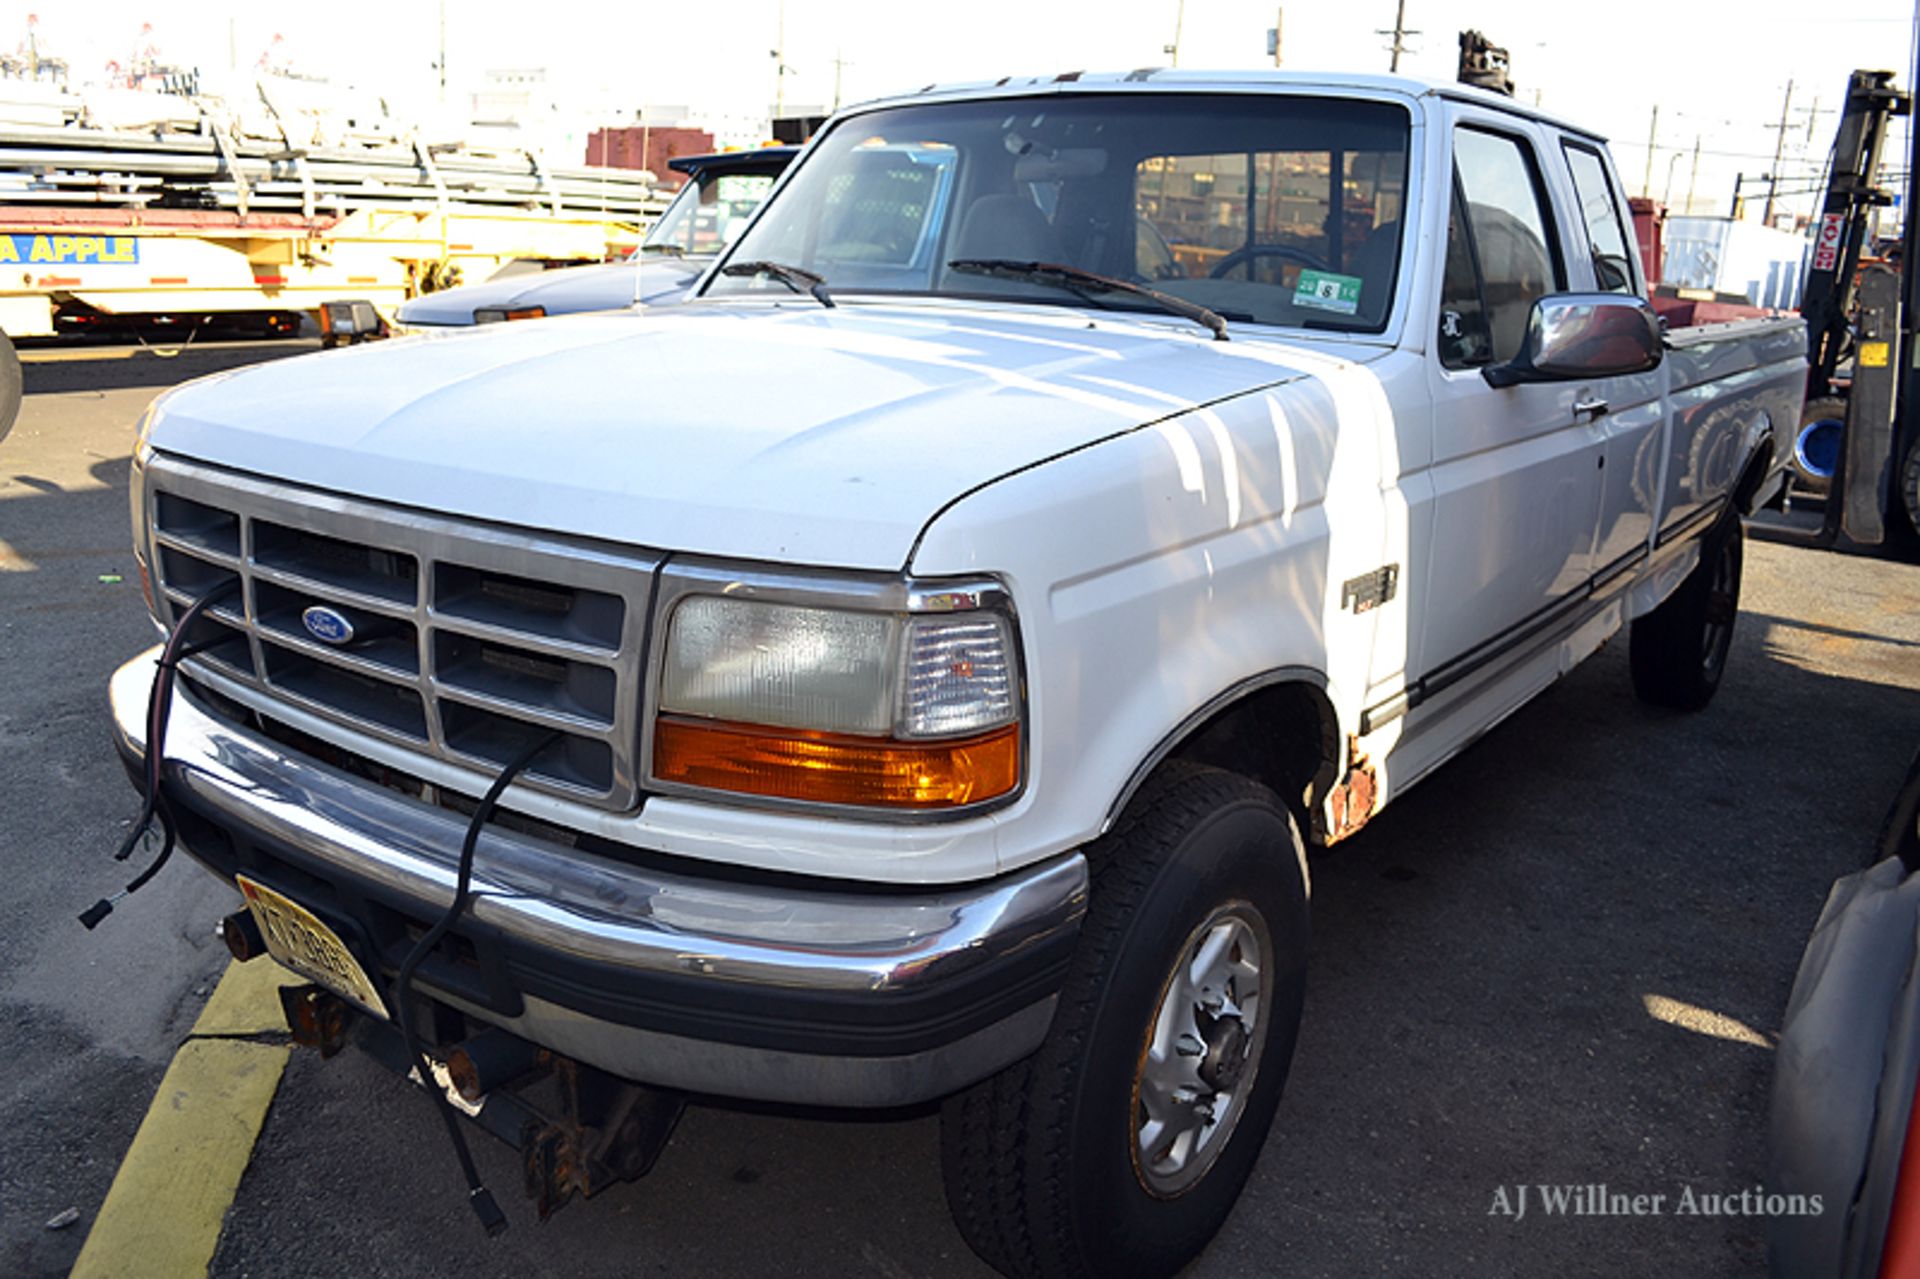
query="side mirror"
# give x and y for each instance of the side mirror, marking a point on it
(1583, 335)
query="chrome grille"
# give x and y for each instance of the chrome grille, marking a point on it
(469, 641)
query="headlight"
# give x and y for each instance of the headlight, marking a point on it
(781, 665)
(839, 706)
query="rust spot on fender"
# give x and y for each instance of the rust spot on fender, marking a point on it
(1352, 801)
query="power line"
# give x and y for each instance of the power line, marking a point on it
(1789, 161)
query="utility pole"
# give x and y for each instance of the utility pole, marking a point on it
(1399, 34)
(1179, 22)
(1813, 113)
(839, 64)
(1653, 133)
(779, 52)
(1693, 179)
(442, 64)
(1279, 28)
(1779, 145)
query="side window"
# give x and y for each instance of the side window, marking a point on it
(1508, 239)
(1464, 341)
(1607, 237)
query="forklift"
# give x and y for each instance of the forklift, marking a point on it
(1859, 439)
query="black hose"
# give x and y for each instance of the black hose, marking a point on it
(491, 1218)
(159, 711)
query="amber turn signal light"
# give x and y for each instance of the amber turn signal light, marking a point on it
(496, 314)
(834, 768)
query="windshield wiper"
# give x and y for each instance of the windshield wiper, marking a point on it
(671, 250)
(1074, 280)
(799, 279)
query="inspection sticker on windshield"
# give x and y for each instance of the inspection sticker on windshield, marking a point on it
(1325, 291)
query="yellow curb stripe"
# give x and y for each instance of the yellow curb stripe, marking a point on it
(247, 1001)
(163, 1213)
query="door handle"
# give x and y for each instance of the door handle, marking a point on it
(1591, 407)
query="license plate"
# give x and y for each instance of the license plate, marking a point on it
(297, 938)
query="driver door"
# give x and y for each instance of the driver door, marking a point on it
(1516, 471)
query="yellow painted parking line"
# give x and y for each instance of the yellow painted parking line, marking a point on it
(163, 1213)
(59, 357)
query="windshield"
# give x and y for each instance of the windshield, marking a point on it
(708, 213)
(1269, 209)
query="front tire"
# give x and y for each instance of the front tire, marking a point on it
(1679, 651)
(1120, 1147)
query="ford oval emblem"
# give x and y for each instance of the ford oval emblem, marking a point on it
(327, 625)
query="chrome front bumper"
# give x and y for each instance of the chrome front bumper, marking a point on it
(711, 984)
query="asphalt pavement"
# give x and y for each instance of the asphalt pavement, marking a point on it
(1560, 961)
(90, 1019)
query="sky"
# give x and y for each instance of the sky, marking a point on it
(1717, 70)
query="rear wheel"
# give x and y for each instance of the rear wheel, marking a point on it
(1120, 1147)
(1679, 651)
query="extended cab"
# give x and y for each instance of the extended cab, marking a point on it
(1068, 502)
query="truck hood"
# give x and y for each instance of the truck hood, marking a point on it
(601, 287)
(805, 435)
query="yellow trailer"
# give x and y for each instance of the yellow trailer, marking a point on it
(68, 269)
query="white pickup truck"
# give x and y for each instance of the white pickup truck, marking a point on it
(1071, 500)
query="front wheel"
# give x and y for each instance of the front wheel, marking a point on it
(1678, 652)
(1120, 1147)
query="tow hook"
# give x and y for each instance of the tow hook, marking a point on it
(316, 1018)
